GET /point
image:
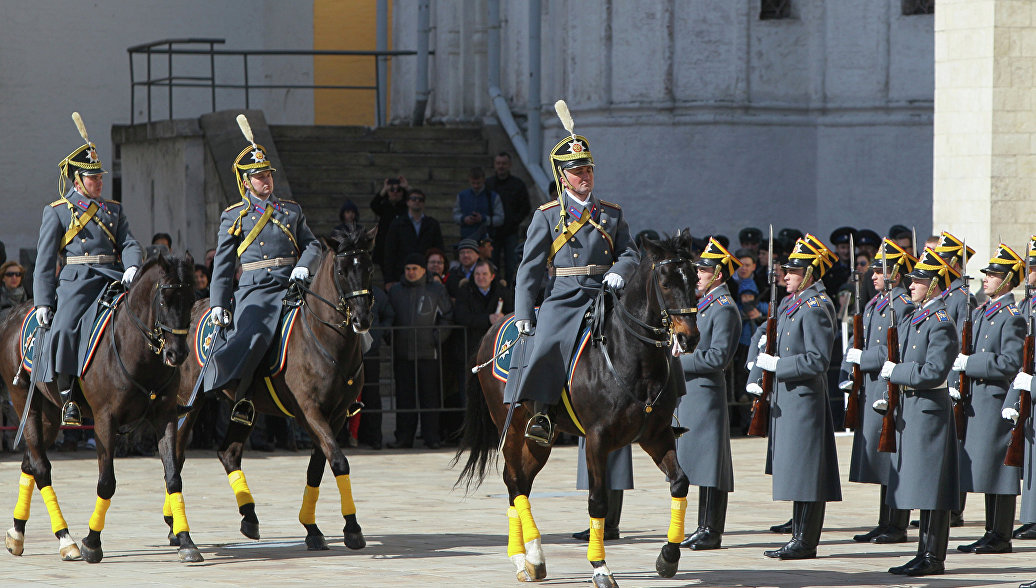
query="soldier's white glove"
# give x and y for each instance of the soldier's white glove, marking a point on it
(853, 355)
(366, 340)
(128, 275)
(677, 350)
(961, 363)
(614, 281)
(220, 316)
(1011, 414)
(767, 362)
(1022, 381)
(886, 369)
(762, 342)
(300, 274)
(44, 315)
(880, 406)
(847, 385)
(525, 327)
(754, 389)
(955, 394)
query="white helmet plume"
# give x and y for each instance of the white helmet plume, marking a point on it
(79, 125)
(566, 117)
(246, 129)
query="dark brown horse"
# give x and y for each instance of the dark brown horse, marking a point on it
(322, 377)
(132, 379)
(624, 391)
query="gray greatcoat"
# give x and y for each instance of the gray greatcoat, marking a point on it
(257, 299)
(959, 302)
(704, 452)
(923, 471)
(547, 355)
(867, 464)
(804, 462)
(74, 293)
(619, 469)
(1027, 512)
(997, 335)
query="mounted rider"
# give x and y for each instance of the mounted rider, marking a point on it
(92, 238)
(576, 242)
(271, 238)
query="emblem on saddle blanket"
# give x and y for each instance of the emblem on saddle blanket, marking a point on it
(277, 354)
(30, 324)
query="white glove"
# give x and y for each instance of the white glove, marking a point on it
(677, 350)
(767, 362)
(220, 316)
(886, 370)
(366, 340)
(880, 406)
(955, 394)
(1010, 414)
(762, 342)
(853, 355)
(754, 389)
(1022, 381)
(750, 365)
(614, 281)
(961, 363)
(846, 385)
(300, 274)
(525, 327)
(128, 275)
(44, 315)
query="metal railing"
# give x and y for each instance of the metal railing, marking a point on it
(205, 47)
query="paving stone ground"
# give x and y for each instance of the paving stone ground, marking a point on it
(422, 532)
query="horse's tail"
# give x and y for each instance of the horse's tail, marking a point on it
(479, 438)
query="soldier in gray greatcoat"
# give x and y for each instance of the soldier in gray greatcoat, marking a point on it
(93, 238)
(804, 463)
(575, 240)
(274, 244)
(704, 452)
(1023, 383)
(923, 471)
(997, 335)
(867, 464)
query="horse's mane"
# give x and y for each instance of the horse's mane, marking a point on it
(347, 238)
(180, 269)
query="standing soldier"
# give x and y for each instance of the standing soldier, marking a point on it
(867, 464)
(705, 453)
(271, 238)
(93, 236)
(923, 472)
(803, 459)
(1023, 384)
(996, 343)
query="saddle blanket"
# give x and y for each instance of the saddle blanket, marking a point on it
(30, 324)
(276, 356)
(508, 334)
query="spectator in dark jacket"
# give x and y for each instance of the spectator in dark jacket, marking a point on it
(347, 215)
(420, 304)
(388, 203)
(467, 255)
(515, 198)
(12, 292)
(478, 209)
(413, 232)
(481, 302)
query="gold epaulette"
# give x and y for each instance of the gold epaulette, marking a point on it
(233, 206)
(57, 202)
(611, 204)
(549, 205)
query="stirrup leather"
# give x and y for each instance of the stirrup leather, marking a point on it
(540, 429)
(243, 412)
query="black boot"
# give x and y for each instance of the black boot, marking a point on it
(809, 522)
(985, 538)
(70, 413)
(1026, 531)
(711, 525)
(883, 520)
(922, 523)
(540, 428)
(783, 527)
(611, 519)
(956, 516)
(702, 502)
(243, 411)
(937, 536)
(1000, 530)
(896, 531)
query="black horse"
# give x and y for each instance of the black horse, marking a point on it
(132, 379)
(321, 379)
(622, 392)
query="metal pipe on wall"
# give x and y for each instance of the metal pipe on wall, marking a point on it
(535, 127)
(381, 61)
(424, 30)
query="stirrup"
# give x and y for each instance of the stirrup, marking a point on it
(540, 429)
(243, 412)
(70, 414)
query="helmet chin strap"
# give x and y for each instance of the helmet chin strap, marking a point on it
(715, 275)
(931, 288)
(1007, 280)
(805, 278)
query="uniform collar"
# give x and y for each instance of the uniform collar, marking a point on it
(83, 201)
(713, 295)
(260, 205)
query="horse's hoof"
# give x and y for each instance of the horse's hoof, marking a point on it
(250, 529)
(536, 571)
(668, 560)
(189, 554)
(174, 541)
(603, 576)
(69, 550)
(15, 541)
(89, 554)
(355, 540)
(319, 543)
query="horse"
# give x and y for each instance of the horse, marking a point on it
(622, 391)
(131, 379)
(321, 379)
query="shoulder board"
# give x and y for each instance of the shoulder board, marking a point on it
(549, 205)
(813, 302)
(611, 204)
(904, 299)
(233, 206)
(942, 316)
(58, 202)
(1011, 308)
(724, 300)
(116, 202)
(289, 202)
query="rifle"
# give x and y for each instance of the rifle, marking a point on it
(760, 423)
(852, 406)
(960, 408)
(887, 440)
(1015, 456)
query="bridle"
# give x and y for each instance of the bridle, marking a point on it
(155, 335)
(663, 335)
(341, 306)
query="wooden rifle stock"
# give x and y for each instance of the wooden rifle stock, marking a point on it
(760, 424)
(852, 407)
(960, 408)
(1016, 448)
(887, 440)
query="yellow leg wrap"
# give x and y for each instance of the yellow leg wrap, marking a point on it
(345, 488)
(100, 509)
(677, 510)
(57, 521)
(529, 529)
(179, 509)
(167, 511)
(595, 551)
(25, 486)
(308, 512)
(515, 543)
(240, 487)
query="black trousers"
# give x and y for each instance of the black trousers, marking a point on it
(417, 383)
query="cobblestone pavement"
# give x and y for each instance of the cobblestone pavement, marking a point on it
(422, 532)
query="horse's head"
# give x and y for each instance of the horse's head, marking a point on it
(675, 282)
(352, 273)
(170, 286)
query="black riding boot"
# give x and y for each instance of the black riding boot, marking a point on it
(922, 524)
(611, 519)
(883, 520)
(896, 531)
(540, 427)
(70, 413)
(990, 510)
(999, 530)
(956, 516)
(243, 411)
(712, 518)
(1025, 531)
(808, 522)
(937, 535)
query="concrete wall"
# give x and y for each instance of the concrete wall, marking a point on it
(57, 56)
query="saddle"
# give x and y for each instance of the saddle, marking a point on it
(110, 299)
(276, 356)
